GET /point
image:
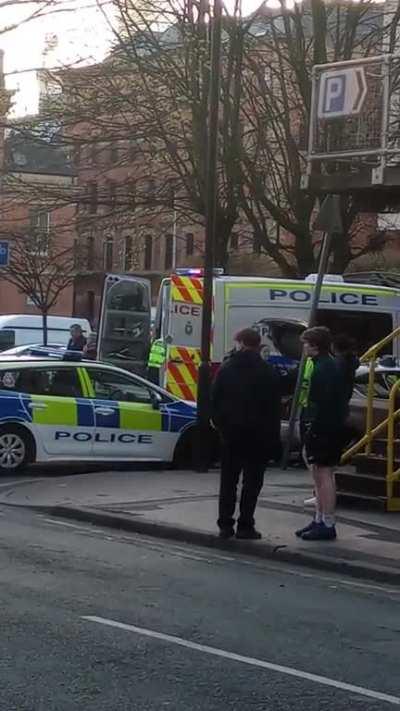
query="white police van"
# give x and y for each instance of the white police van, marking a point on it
(56, 409)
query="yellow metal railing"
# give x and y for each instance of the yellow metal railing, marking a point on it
(370, 357)
(391, 474)
(365, 443)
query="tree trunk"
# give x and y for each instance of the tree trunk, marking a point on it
(304, 253)
(223, 231)
(44, 326)
(341, 253)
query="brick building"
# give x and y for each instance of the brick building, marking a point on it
(36, 183)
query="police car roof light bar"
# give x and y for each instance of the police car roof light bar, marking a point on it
(74, 356)
(45, 353)
(197, 272)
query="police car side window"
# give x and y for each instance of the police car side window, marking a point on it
(62, 382)
(113, 386)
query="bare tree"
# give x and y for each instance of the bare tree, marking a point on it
(41, 269)
(149, 101)
(277, 112)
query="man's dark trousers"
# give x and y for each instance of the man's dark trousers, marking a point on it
(242, 451)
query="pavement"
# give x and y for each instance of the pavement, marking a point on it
(182, 505)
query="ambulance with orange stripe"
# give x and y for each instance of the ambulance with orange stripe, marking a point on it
(278, 308)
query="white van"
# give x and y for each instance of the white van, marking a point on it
(18, 329)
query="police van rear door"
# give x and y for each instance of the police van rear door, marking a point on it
(125, 322)
(183, 353)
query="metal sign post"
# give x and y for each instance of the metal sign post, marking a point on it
(329, 220)
(204, 381)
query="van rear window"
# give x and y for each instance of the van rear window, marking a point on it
(366, 328)
(7, 339)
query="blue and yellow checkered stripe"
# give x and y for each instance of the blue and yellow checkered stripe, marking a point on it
(81, 412)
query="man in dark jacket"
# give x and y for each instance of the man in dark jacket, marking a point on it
(246, 411)
(77, 342)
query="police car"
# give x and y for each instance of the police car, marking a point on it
(57, 409)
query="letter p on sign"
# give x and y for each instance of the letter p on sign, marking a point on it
(341, 92)
(335, 93)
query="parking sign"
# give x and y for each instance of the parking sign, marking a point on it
(342, 92)
(4, 253)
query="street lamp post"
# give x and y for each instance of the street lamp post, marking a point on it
(204, 377)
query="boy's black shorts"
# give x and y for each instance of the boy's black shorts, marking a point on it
(325, 449)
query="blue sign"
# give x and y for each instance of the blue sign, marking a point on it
(4, 254)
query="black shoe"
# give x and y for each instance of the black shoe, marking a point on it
(320, 533)
(226, 532)
(248, 534)
(299, 533)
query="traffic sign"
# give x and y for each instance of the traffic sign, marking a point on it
(341, 92)
(4, 253)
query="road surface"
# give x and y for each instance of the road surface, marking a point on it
(100, 620)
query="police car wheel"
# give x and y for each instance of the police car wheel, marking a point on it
(185, 453)
(16, 448)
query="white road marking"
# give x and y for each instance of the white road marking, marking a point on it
(17, 482)
(54, 522)
(252, 661)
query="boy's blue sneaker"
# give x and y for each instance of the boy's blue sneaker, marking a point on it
(320, 532)
(306, 529)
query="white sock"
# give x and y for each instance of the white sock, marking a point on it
(329, 520)
(317, 516)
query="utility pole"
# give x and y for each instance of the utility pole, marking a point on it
(174, 245)
(329, 221)
(204, 381)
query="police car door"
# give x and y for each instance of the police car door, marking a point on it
(127, 416)
(125, 322)
(62, 418)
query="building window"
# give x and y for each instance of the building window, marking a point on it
(108, 254)
(112, 194)
(76, 154)
(131, 194)
(256, 243)
(113, 152)
(40, 230)
(76, 255)
(151, 189)
(169, 244)
(189, 244)
(133, 149)
(148, 252)
(94, 154)
(90, 300)
(90, 253)
(234, 242)
(128, 253)
(171, 194)
(92, 197)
